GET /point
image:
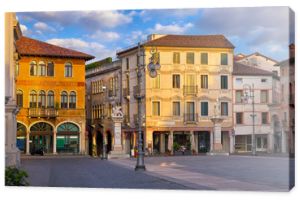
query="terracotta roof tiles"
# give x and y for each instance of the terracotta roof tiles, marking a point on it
(241, 69)
(31, 47)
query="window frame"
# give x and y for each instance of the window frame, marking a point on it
(63, 97)
(227, 108)
(224, 54)
(201, 57)
(204, 81)
(68, 70)
(241, 121)
(187, 58)
(202, 111)
(176, 55)
(158, 108)
(175, 85)
(72, 100)
(221, 81)
(179, 111)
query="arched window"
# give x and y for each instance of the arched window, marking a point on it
(19, 98)
(68, 127)
(42, 69)
(41, 127)
(64, 100)
(72, 100)
(33, 70)
(50, 69)
(33, 98)
(68, 69)
(50, 99)
(42, 99)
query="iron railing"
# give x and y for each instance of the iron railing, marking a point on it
(190, 117)
(190, 90)
(42, 112)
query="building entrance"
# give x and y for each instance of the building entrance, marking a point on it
(203, 141)
(41, 138)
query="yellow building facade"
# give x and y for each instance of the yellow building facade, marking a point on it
(194, 84)
(50, 88)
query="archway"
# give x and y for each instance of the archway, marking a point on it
(41, 137)
(67, 140)
(21, 137)
(109, 141)
(276, 133)
(99, 142)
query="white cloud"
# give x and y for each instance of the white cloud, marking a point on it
(171, 28)
(108, 36)
(135, 36)
(89, 19)
(24, 29)
(93, 48)
(42, 27)
(147, 15)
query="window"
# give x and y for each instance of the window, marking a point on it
(68, 69)
(176, 108)
(176, 58)
(224, 108)
(204, 81)
(176, 81)
(190, 111)
(42, 69)
(72, 101)
(33, 70)
(33, 98)
(42, 99)
(17, 68)
(190, 58)
(127, 63)
(156, 82)
(264, 118)
(264, 96)
(204, 108)
(238, 96)
(224, 82)
(19, 98)
(64, 100)
(50, 69)
(239, 117)
(263, 80)
(204, 58)
(224, 59)
(50, 99)
(156, 108)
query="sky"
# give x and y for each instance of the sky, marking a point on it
(101, 33)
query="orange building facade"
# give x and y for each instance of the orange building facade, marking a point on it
(50, 84)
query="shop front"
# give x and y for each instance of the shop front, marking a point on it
(181, 143)
(41, 138)
(203, 141)
(21, 137)
(67, 139)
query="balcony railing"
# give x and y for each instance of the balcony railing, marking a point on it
(42, 112)
(190, 90)
(190, 117)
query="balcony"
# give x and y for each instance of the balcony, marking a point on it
(190, 90)
(42, 112)
(126, 93)
(190, 117)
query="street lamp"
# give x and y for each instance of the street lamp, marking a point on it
(153, 66)
(249, 94)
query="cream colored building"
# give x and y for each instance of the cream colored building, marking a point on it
(12, 33)
(193, 83)
(247, 79)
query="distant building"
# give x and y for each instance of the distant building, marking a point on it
(260, 61)
(103, 92)
(50, 90)
(12, 34)
(266, 125)
(194, 81)
(287, 106)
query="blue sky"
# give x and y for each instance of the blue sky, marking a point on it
(101, 33)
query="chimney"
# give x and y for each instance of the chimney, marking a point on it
(154, 36)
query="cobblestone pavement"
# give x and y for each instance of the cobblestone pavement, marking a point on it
(89, 172)
(178, 172)
(222, 172)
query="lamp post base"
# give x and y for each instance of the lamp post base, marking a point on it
(140, 168)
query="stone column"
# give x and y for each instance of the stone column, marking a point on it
(232, 142)
(27, 143)
(170, 142)
(196, 143)
(192, 141)
(217, 145)
(270, 142)
(283, 142)
(162, 142)
(54, 142)
(117, 118)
